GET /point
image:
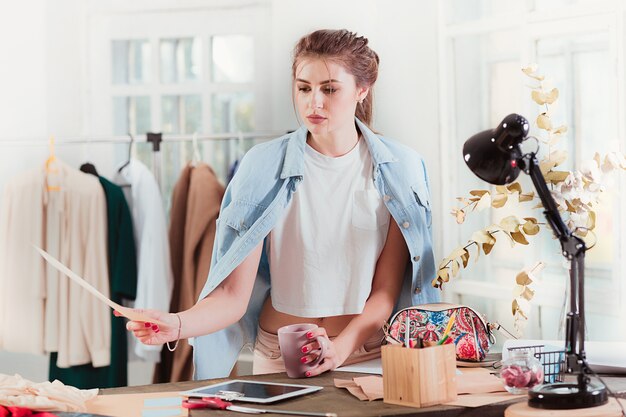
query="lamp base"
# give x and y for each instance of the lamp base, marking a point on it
(565, 395)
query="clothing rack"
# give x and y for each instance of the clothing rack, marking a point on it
(155, 138)
(144, 138)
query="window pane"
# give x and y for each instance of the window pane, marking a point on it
(232, 59)
(487, 86)
(581, 70)
(131, 115)
(131, 61)
(232, 112)
(180, 60)
(182, 114)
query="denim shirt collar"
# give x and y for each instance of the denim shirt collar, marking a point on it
(293, 165)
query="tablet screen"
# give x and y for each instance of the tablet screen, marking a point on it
(252, 391)
(263, 391)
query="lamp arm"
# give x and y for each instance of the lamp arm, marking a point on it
(530, 165)
(574, 250)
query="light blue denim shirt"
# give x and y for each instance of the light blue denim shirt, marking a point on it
(255, 200)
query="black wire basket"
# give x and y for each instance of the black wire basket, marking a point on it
(552, 360)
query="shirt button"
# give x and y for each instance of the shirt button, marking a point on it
(416, 258)
(387, 198)
(406, 225)
(417, 290)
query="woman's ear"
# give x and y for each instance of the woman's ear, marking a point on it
(362, 92)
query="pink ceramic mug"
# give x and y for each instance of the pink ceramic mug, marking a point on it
(291, 339)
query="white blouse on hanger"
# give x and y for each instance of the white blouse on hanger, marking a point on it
(154, 271)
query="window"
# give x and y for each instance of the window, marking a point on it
(485, 49)
(183, 72)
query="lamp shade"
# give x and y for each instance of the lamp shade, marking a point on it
(493, 154)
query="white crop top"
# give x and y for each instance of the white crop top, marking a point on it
(323, 252)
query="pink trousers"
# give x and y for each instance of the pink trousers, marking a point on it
(267, 358)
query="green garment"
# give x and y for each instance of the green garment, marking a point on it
(122, 285)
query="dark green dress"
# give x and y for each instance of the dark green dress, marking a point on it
(122, 286)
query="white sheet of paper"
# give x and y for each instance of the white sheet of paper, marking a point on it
(129, 313)
(373, 366)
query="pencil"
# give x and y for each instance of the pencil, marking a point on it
(407, 334)
(448, 328)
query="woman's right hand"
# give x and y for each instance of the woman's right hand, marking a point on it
(151, 333)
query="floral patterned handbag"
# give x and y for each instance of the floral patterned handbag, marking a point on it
(470, 332)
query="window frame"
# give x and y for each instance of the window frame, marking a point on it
(575, 19)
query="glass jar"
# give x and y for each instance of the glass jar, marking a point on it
(521, 371)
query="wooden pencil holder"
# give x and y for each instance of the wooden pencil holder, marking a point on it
(419, 377)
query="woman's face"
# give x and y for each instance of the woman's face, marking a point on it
(326, 95)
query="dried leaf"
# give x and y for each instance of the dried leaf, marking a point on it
(487, 248)
(483, 203)
(518, 290)
(465, 258)
(531, 228)
(443, 275)
(499, 200)
(523, 278)
(559, 130)
(516, 186)
(521, 313)
(510, 224)
(501, 189)
(455, 268)
(460, 216)
(591, 220)
(542, 98)
(482, 236)
(477, 252)
(556, 176)
(543, 121)
(528, 294)
(538, 206)
(514, 307)
(519, 238)
(526, 197)
(546, 165)
(479, 193)
(530, 71)
(457, 253)
(558, 156)
(570, 206)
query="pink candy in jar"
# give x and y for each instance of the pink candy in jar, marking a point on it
(521, 371)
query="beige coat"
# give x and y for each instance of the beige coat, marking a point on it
(196, 202)
(41, 309)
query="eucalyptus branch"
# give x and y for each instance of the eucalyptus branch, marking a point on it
(485, 239)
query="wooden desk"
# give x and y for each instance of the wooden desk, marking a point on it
(339, 401)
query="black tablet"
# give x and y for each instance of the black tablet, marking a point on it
(251, 391)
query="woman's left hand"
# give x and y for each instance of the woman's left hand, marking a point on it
(310, 352)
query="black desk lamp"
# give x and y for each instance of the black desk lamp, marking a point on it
(496, 157)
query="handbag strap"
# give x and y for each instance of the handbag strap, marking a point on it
(497, 326)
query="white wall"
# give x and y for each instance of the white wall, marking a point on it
(44, 80)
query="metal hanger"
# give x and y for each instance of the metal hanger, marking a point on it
(130, 151)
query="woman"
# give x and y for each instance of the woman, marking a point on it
(336, 215)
